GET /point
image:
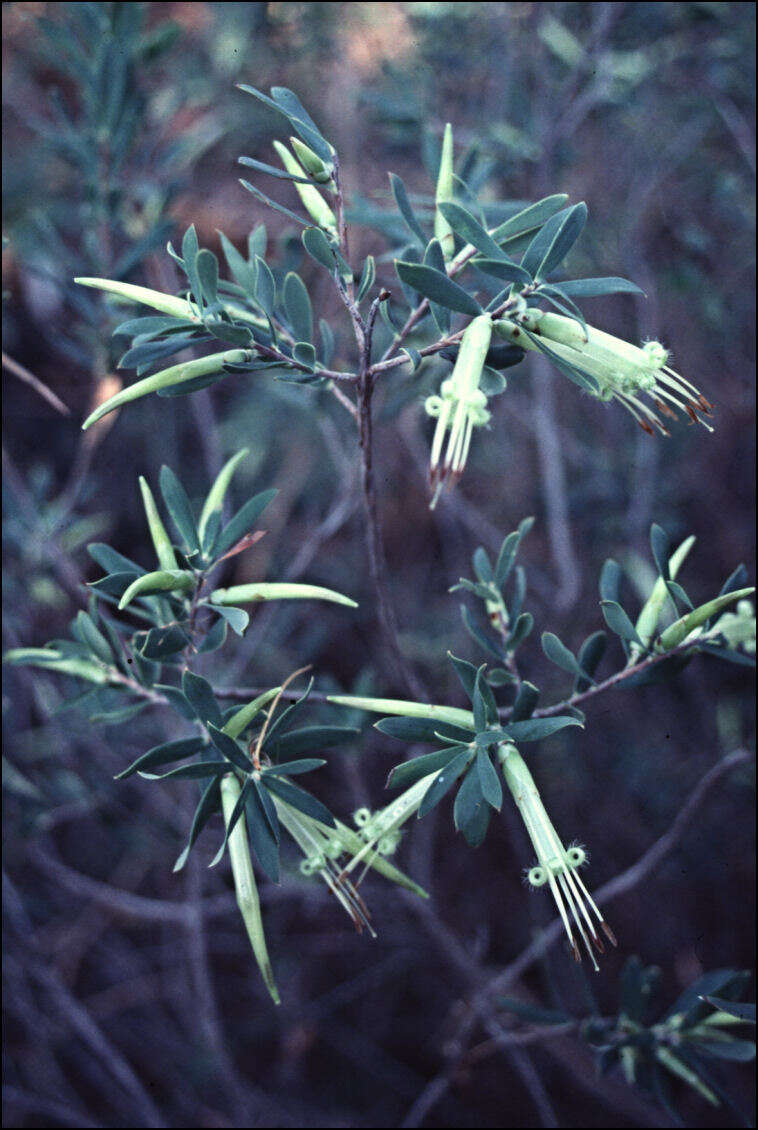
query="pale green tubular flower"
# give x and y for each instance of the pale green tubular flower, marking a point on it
(333, 853)
(460, 406)
(556, 865)
(628, 373)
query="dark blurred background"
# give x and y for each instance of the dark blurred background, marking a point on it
(131, 995)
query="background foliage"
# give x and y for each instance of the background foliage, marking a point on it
(132, 997)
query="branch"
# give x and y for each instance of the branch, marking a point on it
(35, 383)
(482, 1006)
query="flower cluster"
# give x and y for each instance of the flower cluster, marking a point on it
(618, 370)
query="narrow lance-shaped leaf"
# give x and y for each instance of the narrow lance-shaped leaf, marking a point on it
(241, 524)
(437, 287)
(298, 307)
(179, 508)
(209, 803)
(53, 660)
(163, 754)
(217, 493)
(406, 210)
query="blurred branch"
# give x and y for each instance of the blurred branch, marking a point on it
(35, 383)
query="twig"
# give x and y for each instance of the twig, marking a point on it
(35, 383)
(482, 1007)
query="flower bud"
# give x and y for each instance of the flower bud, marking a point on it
(311, 162)
(313, 202)
(443, 233)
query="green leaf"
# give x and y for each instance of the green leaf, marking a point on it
(305, 354)
(243, 594)
(593, 288)
(243, 272)
(196, 771)
(489, 781)
(319, 248)
(618, 621)
(214, 638)
(438, 287)
(237, 618)
(610, 580)
(228, 748)
(163, 642)
(299, 799)
(590, 654)
(408, 772)
(554, 241)
(112, 561)
(444, 781)
(469, 800)
(201, 698)
(406, 210)
(737, 1009)
(163, 580)
(477, 634)
(93, 639)
(523, 627)
(421, 729)
(272, 171)
(262, 839)
(241, 524)
(302, 123)
(471, 231)
(503, 269)
(206, 265)
(466, 672)
(210, 802)
(559, 654)
(295, 768)
(163, 755)
(738, 1051)
(309, 738)
(535, 729)
(368, 276)
(530, 217)
(298, 307)
(261, 196)
(179, 508)
(526, 700)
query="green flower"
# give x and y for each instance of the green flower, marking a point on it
(628, 373)
(460, 407)
(556, 865)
